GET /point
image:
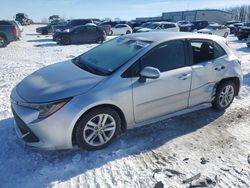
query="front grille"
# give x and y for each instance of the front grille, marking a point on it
(28, 135)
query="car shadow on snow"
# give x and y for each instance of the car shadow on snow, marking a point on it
(46, 45)
(244, 49)
(51, 166)
(40, 40)
(246, 79)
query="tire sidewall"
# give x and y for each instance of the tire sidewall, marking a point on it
(89, 115)
(128, 32)
(65, 41)
(220, 88)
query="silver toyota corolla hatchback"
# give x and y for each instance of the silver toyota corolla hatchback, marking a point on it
(126, 82)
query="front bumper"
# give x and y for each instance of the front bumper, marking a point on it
(51, 133)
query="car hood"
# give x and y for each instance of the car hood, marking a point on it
(144, 30)
(55, 82)
(205, 30)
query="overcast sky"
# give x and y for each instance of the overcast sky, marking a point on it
(128, 9)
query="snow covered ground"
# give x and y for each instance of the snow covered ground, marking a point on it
(212, 147)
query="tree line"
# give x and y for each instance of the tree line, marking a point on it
(240, 13)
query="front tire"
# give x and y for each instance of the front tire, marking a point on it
(45, 32)
(65, 41)
(225, 35)
(225, 94)
(98, 128)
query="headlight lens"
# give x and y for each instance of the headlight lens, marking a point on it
(49, 109)
(46, 109)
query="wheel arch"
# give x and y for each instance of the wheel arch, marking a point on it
(236, 80)
(114, 107)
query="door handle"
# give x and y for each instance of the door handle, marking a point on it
(219, 68)
(184, 76)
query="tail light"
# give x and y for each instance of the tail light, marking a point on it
(14, 30)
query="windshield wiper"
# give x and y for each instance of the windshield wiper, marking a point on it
(89, 67)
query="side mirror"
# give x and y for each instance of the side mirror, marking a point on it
(150, 73)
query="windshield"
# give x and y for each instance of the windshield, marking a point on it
(111, 55)
(153, 25)
(145, 24)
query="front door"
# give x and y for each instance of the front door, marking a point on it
(170, 92)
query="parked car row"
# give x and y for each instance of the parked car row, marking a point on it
(9, 31)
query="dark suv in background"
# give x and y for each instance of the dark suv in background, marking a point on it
(81, 35)
(70, 24)
(8, 33)
(243, 31)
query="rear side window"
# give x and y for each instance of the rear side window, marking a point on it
(168, 56)
(166, 26)
(5, 23)
(204, 50)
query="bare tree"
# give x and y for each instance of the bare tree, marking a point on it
(44, 20)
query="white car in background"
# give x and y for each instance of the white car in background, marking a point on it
(121, 29)
(215, 29)
(160, 26)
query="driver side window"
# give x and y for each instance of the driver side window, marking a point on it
(167, 56)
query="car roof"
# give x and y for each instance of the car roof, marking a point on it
(158, 37)
(164, 22)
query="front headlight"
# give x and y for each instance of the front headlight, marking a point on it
(46, 109)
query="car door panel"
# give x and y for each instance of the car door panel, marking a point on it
(205, 75)
(155, 98)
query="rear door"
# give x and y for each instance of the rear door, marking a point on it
(91, 34)
(77, 35)
(170, 92)
(208, 68)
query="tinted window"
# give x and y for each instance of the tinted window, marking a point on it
(166, 26)
(91, 29)
(168, 56)
(218, 51)
(205, 51)
(5, 23)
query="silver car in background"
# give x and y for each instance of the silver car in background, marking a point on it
(129, 81)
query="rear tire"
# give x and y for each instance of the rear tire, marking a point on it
(128, 32)
(45, 32)
(111, 32)
(98, 128)
(3, 42)
(65, 41)
(225, 93)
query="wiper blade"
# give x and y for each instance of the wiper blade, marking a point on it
(90, 68)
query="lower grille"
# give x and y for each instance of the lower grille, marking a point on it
(28, 135)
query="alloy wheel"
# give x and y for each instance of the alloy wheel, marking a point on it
(226, 96)
(99, 130)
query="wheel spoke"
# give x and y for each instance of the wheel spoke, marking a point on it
(92, 124)
(101, 139)
(91, 137)
(99, 130)
(109, 127)
(105, 136)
